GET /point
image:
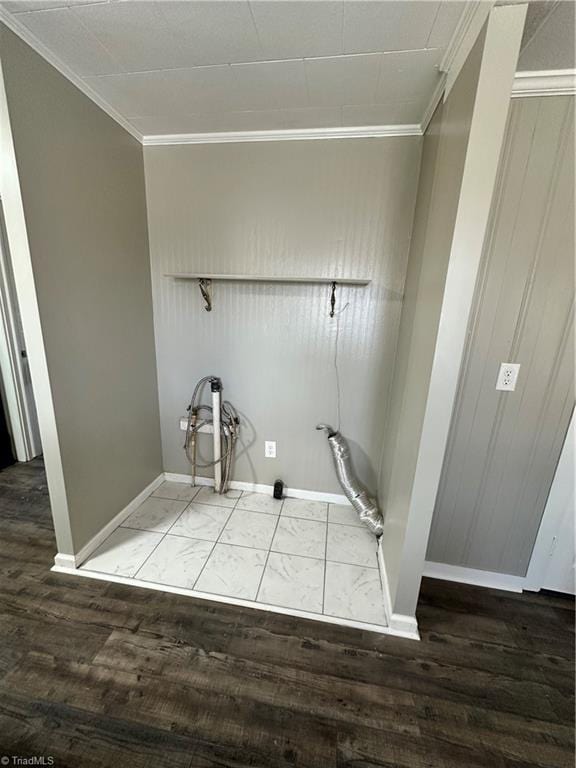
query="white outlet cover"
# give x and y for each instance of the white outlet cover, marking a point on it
(507, 377)
(270, 449)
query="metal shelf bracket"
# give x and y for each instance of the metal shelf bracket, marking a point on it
(204, 286)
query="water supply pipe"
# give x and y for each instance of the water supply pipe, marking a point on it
(216, 389)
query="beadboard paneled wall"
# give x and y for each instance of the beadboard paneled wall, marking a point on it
(504, 446)
(82, 182)
(335, 208)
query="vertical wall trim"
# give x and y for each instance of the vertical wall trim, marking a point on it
(26, 291)
(499, 60)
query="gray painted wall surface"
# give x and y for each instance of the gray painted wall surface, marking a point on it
(83, 190)
(443, 159)
(504, 447)
(305, 208)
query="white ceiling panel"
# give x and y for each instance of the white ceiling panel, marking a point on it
(388, 26)
(21, 6)
(411, 75)
(407, 113)
(213, 31)
(60, 31)
(271, 84)
(552, 45)
(312, 117)
(257, 120)
(269, 120)
(196, 66)
(136, 34)
(295, 29)
(169, 92)
(338, 80)
(445, 23)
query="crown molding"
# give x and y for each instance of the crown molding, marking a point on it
(306, 134)
(433, 103)
(552, 82)
(11, 21)
(467, 30)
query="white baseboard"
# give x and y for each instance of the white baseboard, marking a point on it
(65, 562)
(237, 485)
(473, 576)
(399, 624)
(69, 562)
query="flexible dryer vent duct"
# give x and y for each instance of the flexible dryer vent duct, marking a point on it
(365, 506)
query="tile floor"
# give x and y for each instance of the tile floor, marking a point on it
(293, 554)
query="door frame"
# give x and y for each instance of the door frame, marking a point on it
(15, 376)
(21, 261)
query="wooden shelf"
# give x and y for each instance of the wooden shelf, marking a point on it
(205, 279)
(265, 279)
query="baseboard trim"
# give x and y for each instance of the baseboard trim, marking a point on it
(65, 562)
(399, 624)
(70, 562)
(473, 576)
(237, 485)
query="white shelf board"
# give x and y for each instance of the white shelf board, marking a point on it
(267, 279)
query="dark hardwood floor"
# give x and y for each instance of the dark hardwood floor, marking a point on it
(96, 674)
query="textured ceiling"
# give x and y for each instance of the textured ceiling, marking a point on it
(203, 66)
(549, 36)
(192, 67)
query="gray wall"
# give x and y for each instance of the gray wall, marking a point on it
(504, 447)
(82, 181)
(443, 159)
(282, 208)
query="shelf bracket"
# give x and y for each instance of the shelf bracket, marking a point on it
(204, 286)
(333, 298)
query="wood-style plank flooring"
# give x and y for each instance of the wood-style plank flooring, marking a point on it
(97, 674)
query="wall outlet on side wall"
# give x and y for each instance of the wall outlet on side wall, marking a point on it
(507, 377)
(270, 449)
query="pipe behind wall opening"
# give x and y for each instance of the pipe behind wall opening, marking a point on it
(216, 387)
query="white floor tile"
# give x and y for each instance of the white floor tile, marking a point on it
(259, 502)
(206, 495)
(353, 592)
(232, 571)
(309, 510)
(176, 561)
(201, 521)
(249, 529)
(123, 552)
(177, 491)
(293, 582)
(155, 514)
(344, 515)
(347, 544)
(300, 537)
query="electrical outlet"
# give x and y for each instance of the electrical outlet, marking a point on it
(507, 377)
(270, 449)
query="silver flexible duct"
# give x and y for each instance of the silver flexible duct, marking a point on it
(366, 507)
